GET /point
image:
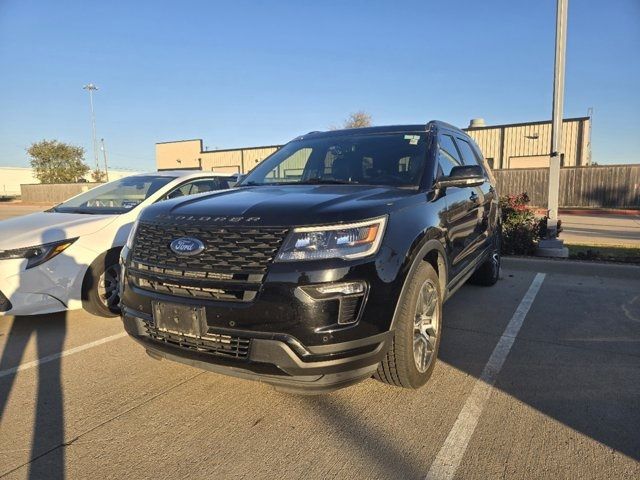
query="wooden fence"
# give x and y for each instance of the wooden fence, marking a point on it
(613, 186)
(52, 193)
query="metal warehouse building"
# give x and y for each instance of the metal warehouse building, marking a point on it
(516, 145)
(527, 145)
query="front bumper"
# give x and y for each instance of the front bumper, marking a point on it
(278, 359)
(53, 286)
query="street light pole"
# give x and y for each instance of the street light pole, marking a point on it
(104, 154)
(551, 246)
(91, 88)
(557, 148)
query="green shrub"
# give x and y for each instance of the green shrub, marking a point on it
(520, 228)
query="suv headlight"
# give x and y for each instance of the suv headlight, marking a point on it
(348, 241)
(39, 254)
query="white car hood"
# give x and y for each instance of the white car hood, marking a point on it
(45, 227)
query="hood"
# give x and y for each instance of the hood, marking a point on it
(46, 227)
(287, 205)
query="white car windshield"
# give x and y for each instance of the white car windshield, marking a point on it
(119, 196)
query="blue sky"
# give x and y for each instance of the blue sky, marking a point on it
(241, 73)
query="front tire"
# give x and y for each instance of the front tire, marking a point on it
(100, 287)
(414, 348)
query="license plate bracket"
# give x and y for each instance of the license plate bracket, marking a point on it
(187, 320)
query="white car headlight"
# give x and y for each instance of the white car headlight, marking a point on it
(132, 234)
(39, 254)
(348, 241)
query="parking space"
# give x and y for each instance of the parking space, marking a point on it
(565, 403)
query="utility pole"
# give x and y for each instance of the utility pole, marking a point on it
(90, 87)
(590, 115)
(104, 154)
(552, 246)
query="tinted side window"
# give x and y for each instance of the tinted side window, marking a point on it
(208, 185)
(448, 145)
(446, 162)
(468, 156)
(196, 186)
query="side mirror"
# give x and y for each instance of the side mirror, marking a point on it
(462, 176)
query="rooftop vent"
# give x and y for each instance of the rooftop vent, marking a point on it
(477, 123)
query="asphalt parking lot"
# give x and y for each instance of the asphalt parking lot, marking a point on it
(17, 209)
(564, 402)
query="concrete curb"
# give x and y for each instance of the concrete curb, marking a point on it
(573, 267)
(590, 211)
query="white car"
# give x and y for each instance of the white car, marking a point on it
(66, 258)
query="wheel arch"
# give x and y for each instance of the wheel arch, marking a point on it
(87, 280)
(432, 251)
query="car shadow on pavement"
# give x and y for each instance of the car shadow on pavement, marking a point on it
(367, 441)
(48, 430)
(576, 358)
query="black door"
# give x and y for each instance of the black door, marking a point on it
(485, 195)
(463, 211)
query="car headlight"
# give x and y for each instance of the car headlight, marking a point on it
(348, 241)
(39, 254)
(132, 234)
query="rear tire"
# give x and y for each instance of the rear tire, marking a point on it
(100, 287)
(414, 348)
(488, 273)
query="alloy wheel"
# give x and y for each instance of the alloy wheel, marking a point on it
(108, 287)
(426, 326)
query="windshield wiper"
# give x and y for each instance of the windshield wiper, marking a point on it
(308, 181)
(325, 181)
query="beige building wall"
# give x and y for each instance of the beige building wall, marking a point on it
(189, 154)
(527, 145)
(180, 154)
(12, 177)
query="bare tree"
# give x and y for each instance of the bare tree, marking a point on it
(357, 119)
(98, 176)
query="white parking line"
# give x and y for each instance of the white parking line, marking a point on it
(55, 356)
(450, 455)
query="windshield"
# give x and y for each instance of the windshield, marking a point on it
(119, 196)
(394, 159)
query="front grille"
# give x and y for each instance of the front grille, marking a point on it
(213, 344)
(227, 250)
(231, 267)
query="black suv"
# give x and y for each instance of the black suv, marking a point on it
(328, 264)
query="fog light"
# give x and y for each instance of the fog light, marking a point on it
(350, 288)
(349, 295)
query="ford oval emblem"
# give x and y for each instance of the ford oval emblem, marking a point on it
(186, 246)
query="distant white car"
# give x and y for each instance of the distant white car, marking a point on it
(66, 258)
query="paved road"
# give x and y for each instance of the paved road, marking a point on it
(565, 403)
(601, 229)
(12, 209)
